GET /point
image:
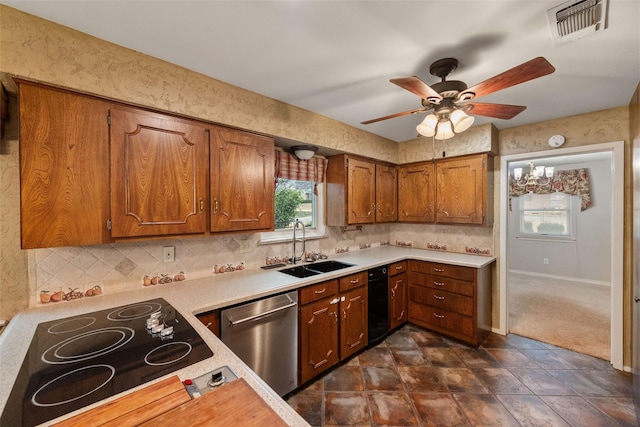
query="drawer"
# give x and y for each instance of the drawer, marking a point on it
(429, 316)
(397, 268)
(444, 270)
(353, 281)
(443, 283)
(443, 300)
(318, 291)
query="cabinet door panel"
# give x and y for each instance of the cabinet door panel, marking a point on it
(461, 191)
(397, 300)
(386, 193)
(158, 174)
(64, 168)
(361, 192)
(242, 181)
(353, 322)
(416, 193)
(318, 338)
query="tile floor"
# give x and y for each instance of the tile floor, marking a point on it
(420, 378)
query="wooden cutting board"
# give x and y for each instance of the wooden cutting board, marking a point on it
(233, 404)
(167, 403)
(134, 408)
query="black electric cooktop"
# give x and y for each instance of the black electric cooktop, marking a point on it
(80, 360)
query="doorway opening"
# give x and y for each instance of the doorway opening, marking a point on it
(524, 284)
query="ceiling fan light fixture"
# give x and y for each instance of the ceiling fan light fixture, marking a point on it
(428, 125)
(444, 130)
(461, 121)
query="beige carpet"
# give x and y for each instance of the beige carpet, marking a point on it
(571, 315)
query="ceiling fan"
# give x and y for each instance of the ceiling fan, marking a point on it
(450, 100)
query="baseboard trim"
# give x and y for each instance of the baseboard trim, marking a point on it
(551, 276)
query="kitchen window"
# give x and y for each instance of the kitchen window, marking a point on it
(547, 216)
(296, 199)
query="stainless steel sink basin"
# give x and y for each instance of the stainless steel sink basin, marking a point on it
(308, 270)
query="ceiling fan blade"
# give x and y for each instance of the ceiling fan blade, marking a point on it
(392, 116)
(530, 70)
(498, 111)
(416, 86)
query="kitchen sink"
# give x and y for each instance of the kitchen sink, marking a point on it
(327, 266)
(315, 268)
(299, 271)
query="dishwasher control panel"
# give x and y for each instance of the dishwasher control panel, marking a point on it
(210, 381)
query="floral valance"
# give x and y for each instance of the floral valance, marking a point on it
(573, 181)
(289, 167)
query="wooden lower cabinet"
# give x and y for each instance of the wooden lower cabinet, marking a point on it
(318, 337)
(211, 320)
(453, 300)
(333, 324)
(354, 322)
(398, 291)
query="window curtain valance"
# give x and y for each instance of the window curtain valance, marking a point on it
(572, 181)
(289, 167)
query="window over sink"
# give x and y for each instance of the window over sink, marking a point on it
(296, 199)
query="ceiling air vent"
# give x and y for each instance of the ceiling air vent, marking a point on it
(576, 19)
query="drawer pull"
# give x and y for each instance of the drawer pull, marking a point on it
(322, 291)
(438, 283)
(439, 297)
(353, 282)
(438, 316)
(438, 270)
(398, 267)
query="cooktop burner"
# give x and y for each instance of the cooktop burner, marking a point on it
(80, 360)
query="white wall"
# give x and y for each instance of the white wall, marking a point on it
(588, 258)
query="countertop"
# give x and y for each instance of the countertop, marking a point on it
(198, 296)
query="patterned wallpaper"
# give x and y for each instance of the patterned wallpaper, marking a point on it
(40, 50)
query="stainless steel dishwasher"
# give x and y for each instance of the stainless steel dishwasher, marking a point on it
(264, 334)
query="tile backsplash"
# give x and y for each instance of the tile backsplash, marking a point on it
(63, 273)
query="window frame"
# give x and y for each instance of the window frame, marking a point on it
(571, 209)
(317, 232)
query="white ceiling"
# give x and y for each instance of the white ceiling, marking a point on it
(336, 57)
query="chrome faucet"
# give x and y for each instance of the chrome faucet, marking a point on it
(294, 258)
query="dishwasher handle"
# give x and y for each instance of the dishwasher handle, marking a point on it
(266, 313)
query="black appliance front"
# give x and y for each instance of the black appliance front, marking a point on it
(378, 306)
(80, 360)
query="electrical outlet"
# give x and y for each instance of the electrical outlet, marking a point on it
(168, 254)
(545, 261)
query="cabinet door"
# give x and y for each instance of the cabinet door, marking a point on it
(386, 193)
(416, 193)
(397, 300)
(158, 174)
(361, 191)
(242, 181)
(318, 338)
(211, 320)
(353, 322)
(64, 168)
(461, 191)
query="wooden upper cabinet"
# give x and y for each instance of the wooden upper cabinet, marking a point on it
(242, 181)
(416, 192)
(386, 193)
(464, 190)
(158, 174)
(64, 168)
(360, 191)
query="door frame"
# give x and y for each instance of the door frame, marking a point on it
(617, 236)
